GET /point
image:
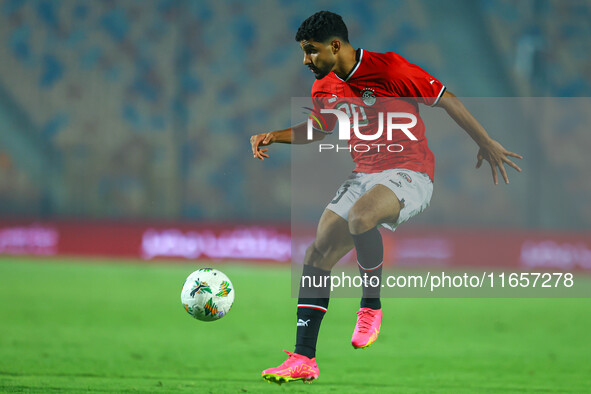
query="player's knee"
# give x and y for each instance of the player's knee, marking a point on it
(360, 223)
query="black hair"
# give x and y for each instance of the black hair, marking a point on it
(321, 26)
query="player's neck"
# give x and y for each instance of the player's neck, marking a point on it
(345, 62)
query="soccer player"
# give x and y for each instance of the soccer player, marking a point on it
(385, 189)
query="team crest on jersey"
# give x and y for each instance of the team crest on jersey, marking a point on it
(368, 96)
(405, 176)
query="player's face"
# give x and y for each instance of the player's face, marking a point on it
(319, 57)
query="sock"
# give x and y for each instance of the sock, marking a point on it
(370, 256)
(312, 305)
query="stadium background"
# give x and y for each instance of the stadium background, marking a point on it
(126, 124)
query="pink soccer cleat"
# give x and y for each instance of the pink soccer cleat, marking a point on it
(367, 328)
(296, 367)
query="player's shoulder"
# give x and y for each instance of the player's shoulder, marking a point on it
(386, 60)
(385, 65)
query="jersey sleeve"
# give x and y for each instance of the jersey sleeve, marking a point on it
(413, 81)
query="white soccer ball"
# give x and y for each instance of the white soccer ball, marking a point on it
(207, 294)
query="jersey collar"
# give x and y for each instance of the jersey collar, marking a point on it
(358, 56)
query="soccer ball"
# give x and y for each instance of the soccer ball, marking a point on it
(207, 294)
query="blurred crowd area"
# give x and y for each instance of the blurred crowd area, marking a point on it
(143, 109)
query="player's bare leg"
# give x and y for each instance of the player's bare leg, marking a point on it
(333, 241)
(377, 206)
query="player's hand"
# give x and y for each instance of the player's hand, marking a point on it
(258, 140)
(497, 156)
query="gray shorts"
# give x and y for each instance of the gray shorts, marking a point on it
(412, 188)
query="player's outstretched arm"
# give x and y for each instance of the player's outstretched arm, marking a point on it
(293, 135)
(490, 150)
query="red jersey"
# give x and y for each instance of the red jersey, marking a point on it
(375, 78)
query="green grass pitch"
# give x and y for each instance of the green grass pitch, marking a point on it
(96, 326)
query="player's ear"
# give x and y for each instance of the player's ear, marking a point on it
(335, 46)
